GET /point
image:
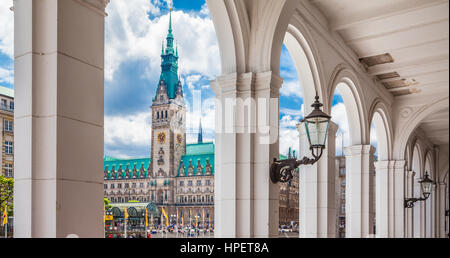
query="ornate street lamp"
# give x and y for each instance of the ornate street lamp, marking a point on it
(426, 185)
(316, 124)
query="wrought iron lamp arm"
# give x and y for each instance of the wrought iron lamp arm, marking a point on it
(409, 203)
(281, 170)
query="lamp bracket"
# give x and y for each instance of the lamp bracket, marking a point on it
(281, 170)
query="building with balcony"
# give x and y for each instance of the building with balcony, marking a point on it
(7, 129)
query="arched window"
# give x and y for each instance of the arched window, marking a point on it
(157, 114)
(166, 114)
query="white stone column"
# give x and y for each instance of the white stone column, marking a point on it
(382, 199)
(409, 212)
(441, 191)
(399, 198)
(359, 160)
(247, 122)
(59, 90)
(266, 147)
(317, 189)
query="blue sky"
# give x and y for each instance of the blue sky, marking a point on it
(135, 31)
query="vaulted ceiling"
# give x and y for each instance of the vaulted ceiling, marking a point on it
(403, 43)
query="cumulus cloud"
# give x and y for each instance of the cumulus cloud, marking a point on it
(291, 89)
(133, 130)
(7, 29)
(6, 76)
(131, 35)
(191, 80)
(339, 114)
(289, 136)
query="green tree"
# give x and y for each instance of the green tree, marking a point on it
(6, 194)
(108, 205)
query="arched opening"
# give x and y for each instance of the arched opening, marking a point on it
(429, 202)
(417, 168)
(380, 139)
(358, 157)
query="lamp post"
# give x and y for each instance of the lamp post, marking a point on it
(426, 185)
(316, 125)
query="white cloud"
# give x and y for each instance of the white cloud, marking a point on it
(134, 130)
(131, 35)
(7, 29)
(289, 138)
(6, 76)
(293, 112)
(191, 80)
(339, 114)
(291, 88)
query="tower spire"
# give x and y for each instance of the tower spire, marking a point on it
(200, 132)
(170, 21)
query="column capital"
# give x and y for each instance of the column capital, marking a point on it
(266, 80)
(97, 6)
(399, 164)
(224, 83)
(359, 150)
(411, 173)
(384, 164)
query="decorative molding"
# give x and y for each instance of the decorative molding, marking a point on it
(97, 6)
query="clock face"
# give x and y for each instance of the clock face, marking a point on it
(179, 139)
(162, 138)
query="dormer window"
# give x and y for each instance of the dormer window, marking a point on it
(161, 98)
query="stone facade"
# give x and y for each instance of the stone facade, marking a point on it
(7, 129)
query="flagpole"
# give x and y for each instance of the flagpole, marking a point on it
(6, 230)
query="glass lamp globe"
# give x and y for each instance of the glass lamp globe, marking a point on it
(426, 185)
(317, 124)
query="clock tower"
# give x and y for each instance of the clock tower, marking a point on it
(168, 127)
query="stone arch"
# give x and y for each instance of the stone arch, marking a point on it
(428, 167)
(417, 165)
(346, 81)
(302, 50)
(380, 115)
(409, 124)
(257, 29)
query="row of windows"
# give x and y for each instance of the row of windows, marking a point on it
(196, 199)
(199, 183)
(126, 185)
(161, 115)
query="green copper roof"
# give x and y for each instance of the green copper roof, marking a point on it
(169, 64)
(112, 166)
(200, 149)
(6, 92)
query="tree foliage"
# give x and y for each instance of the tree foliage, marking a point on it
(108, 205)
(6, 194)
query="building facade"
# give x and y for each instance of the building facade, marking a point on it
(177, 177)
(289, 197)
(7, 129)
